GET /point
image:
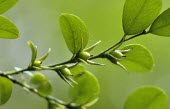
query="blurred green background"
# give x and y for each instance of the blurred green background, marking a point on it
(37, 21)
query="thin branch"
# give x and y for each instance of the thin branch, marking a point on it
(143, 33)
(118, 44)
(48, 98)
(16, 72)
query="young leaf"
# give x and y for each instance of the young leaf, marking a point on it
(161, 25)
(41, 83)
(89, 49)
(8, 29)
(139, 15)
(74, 31)
(5, 90)
(147, 97)
(34, 52)
(138, 59)
(43, 58)
(87, 89)
(5, 5)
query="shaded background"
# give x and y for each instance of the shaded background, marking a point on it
(37, 21)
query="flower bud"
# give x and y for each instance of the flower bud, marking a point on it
(84, 55)
(117, 54)
(37, 63)
(66, 72)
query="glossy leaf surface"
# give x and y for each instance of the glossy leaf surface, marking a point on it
(139, 15)
(8, 29)
(6, 87)
(161, 25)
(87, 89)
(5, 5)
(74, 31)
(138, 59)
(147, 97)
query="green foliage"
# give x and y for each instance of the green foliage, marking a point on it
(8, 29)
(147, 97)
(43, 58)
(5, 90)
(139, 15)
(33, 51)
(138, 59)
(5, 5)
(36, 63)
(161, 25)
(89, 49)
(41, 83)
(87, 89)
(74, 31)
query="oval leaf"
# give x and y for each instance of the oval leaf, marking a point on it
(8, 29)
(5, 90)
(138, 59)
(40, 82)
(74, 31)
(147, 97)
(139, 15)
(5, 5)
(33, 51)
(161, 25)
(87, 89)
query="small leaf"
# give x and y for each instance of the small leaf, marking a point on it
(8, 29)
(5, 5)
(43, 58)
(87, 89)
(5, 90)
(147, 97)
(138, 59)
(138, 15)
(74, 31)
(89, 49)
(34, 52)
(41, 83)
(161, 25)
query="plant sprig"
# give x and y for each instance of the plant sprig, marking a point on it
(132, 57)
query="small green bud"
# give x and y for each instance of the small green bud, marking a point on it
(84, 55)
(117, 54)
(37, 63)
(66, 72)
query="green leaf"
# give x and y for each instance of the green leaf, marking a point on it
(138, 15)
(147, 97)
(5, 5)
(34, 52)
(74, 31)
(89, 49)
(41, 83)
(6, 87)
(161, 25)
(138, 59)
(8, 29)
(87, 89)
(43, 58)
